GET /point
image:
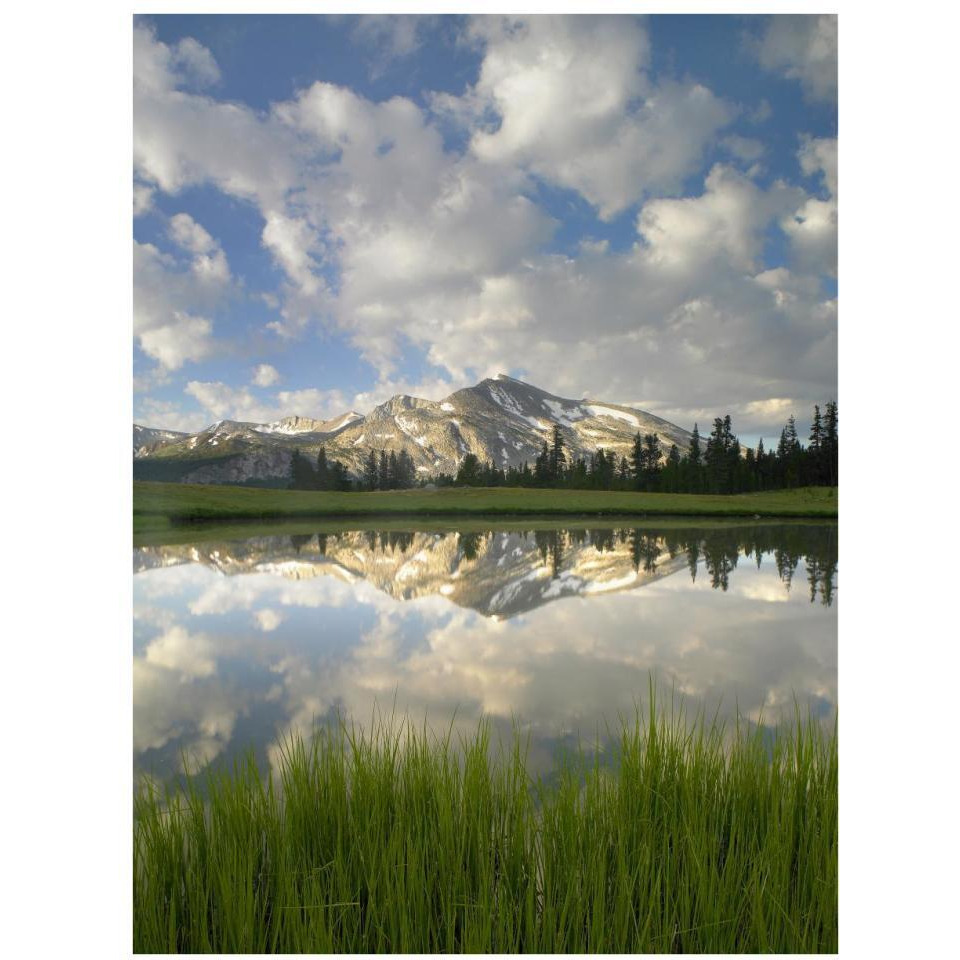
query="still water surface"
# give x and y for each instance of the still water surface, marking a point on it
(238, 641)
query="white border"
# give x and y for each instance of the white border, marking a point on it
(67, 394)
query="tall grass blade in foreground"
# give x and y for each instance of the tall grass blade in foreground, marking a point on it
(694, 839)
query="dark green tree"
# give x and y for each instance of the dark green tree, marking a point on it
(301, 473)
(323, 472)
(831, 446)
(468, 474)
(383, 472)
(371, 475)
(558, 459)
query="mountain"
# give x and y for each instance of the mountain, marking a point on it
(148, 440)
(500, 419)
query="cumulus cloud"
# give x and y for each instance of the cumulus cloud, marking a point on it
(265, 375)
(572, 101)
(173, 295)
(804, 48)
(223, 402)
(184, 338)
(399, 243)
(387, 39)
(142, 199)
(812, 227)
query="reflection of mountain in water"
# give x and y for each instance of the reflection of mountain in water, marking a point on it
(505, 573)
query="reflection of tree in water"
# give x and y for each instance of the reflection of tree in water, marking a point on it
(602, 540)
(551, 543)
(577, 537)
(822, 568)
(644, 550)
(720, 555)
(786, 562)
(719, 548)
(299, 540)
(401, 540)
(673, 543)
(470, 544)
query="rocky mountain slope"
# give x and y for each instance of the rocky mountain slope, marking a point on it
(500, 419)
(147, 440)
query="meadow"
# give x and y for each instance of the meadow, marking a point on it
(684, 836)
(158, 506)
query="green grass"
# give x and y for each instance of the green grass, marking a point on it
(157, 506)
(692, 839)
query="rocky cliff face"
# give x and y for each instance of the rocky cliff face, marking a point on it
(503, 420)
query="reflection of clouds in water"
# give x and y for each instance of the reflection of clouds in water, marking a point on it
(562, 665)
(268, 619)
(182, 652)
(578, 659)
(172, 707)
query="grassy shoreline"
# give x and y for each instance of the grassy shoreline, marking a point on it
(706, 841)
(160, 506)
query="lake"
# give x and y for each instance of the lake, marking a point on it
(556, 627)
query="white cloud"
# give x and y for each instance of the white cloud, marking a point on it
(167, 415)
(728, 220)
(812, 227)
(747, 149)
(142, 199)
(171, 295)
(576, 107)
(209, 261)
(265, 375)
(181, 138)
(223, 402)
(803, 48)
(396, 242)
(184, 338)
(389, 38)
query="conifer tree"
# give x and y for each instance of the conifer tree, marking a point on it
(371, 475)
(695, 452)
(323, 473)
(831, 444)
(557, 457)
(651, 461)
(383, 472)
(815, 450)
(541, 469)
(393, 471)
(637, 461)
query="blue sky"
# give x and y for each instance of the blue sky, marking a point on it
(330, 210)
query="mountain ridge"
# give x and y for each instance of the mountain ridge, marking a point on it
(500, 419)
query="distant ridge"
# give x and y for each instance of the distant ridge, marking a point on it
(500, 419)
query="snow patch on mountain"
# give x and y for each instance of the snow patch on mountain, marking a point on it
(602, 411)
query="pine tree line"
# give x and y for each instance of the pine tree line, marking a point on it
(388, 471)
(719, 465)
(326, 475)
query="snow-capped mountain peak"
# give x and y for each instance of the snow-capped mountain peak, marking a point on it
(500, 419)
